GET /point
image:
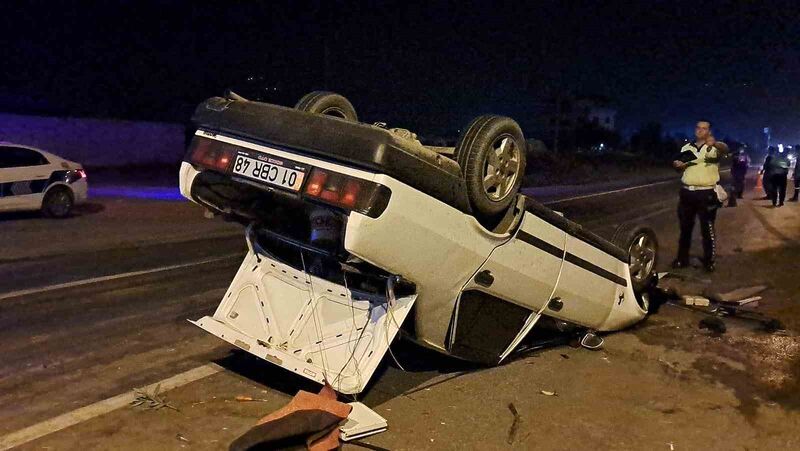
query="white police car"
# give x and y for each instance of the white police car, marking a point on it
(32, 179)
(356, 232)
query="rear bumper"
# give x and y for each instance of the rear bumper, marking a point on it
(80, 191)
(353, 144)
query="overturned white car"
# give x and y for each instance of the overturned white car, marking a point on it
(356, 232)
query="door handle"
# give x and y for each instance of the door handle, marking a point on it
(484, 278)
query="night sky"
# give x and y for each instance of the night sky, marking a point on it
(431, 67)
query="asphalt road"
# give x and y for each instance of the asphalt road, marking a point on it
(80, 326)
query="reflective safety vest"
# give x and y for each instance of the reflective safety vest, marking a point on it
(700, 173)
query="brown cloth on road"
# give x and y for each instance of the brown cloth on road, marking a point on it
(310, 421)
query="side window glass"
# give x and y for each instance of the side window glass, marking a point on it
(6, 159)
(15, 157)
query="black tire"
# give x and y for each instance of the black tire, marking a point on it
(487, 134)
(58, 202)
(637, 240)
(328, 104)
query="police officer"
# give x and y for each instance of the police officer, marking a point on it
(766, 174)
(739, 167)
(699, 162)
(796, 171)
(778, 169)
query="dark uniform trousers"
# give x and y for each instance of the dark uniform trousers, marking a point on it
(701, 204)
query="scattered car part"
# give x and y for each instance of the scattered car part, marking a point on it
(361, 422)
(741, 293)
(592, 341)
(697, 301)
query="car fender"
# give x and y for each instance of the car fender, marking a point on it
(625, 311)
(51, 185)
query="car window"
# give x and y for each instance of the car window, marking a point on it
(15, 157)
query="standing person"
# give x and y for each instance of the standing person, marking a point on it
(779, 172)
(741, 162)
(796, 177)
(699, 161)
(766, 173)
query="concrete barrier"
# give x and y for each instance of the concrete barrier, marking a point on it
(97, 142)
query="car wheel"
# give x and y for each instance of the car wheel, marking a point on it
(58, 202)
(328, 104)
(491, 154)
(641, 245)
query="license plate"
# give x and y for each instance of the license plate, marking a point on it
(266, 168)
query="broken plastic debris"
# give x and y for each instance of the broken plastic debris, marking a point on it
(548, 393)
(592, 341)
(742, 293)
(362, 422)
(698, 301)
(752, 301)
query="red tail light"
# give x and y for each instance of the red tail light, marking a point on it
(211, 154)
(347, 192)
(74, 175)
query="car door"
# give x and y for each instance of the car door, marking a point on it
(524, 270)
(500, 305)
(590, 283)
(23, 177)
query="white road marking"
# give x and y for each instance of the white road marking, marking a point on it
(621, 190)
(78, 283)
(68, 419)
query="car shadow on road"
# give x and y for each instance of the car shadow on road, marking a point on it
(89, 208)
(419, 365)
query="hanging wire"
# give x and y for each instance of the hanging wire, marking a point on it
(391, 303)
(317, 327)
